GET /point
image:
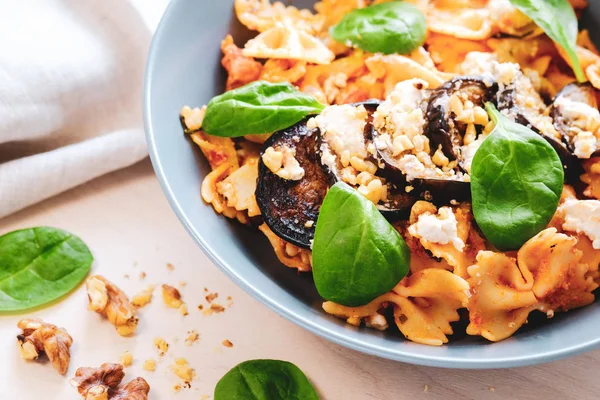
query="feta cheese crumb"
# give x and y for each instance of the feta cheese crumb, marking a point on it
(441, 228)
(582, 216)
(342, 127)
(282, 162)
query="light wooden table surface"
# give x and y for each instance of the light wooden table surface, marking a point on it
(126, 221)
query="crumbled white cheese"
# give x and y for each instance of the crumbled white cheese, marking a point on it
(468, 151)
(376, 321)
(283, 163)
(583, 124)
(343, 129)
(400, 119)
(441, 228)
(509, 75)
(582, 216)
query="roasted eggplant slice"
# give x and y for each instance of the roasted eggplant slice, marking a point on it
(398, 205)
(290, 207)
(507, 103)
(576, 118)
(443, 130)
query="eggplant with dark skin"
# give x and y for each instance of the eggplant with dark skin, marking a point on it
(399, 202)
(583, 93)
(442, 129)
(290, 208)
(508, 106)
(444, 132)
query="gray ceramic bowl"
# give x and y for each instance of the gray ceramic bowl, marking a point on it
(184, 68)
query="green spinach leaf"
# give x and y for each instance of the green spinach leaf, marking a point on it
(559, 22)
(257, 108)
(516, 182)
(388, 28)
(39, 265)
(357, 254)
(265, 380)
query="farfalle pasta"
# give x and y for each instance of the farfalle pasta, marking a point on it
(402, 129)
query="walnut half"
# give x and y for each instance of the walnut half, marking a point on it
(39, 338)
(103, 384)
(110, 301)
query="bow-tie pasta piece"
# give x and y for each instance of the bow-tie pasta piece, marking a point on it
(501, 298)
(428, 303)
(261, 15)
(284, 41)
(369, 313)
(394, 68)
(424, 306)
(447, 234)
(290, 255)
(462, 23)
(239, 187)
(553, 262)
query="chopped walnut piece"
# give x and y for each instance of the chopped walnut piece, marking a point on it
(192, 337)
(144, 297)
(39, 338)
(126, 359)
(103, 384)
(108, 300)
(171, 296)
(183, 310)
(227, 343)
(149, 365)
(182, 369)
(161, 346)
(211, 296)
(214, 308)
(170, 267)
(142, 275)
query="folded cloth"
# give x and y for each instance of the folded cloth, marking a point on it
(71, 74)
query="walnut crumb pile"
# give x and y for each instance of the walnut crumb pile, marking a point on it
(126, 359)
(149, 365)
(171, 296)
(161, 346)
(108, 300)
(40, 338)
(192, 338)
(182, 369)
(227, 343)
(144, 297)
(103, 384)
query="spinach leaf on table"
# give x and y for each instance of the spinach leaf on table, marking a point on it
(516, 182)
(357, 254)
(39, 265)
(558, 20)
(394, 27)
(265, 380)
(257, 108)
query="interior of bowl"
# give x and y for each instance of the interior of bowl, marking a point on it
(184, 69)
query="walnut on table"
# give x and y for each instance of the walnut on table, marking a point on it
(103, 384)
(39, 338)
(108, 300)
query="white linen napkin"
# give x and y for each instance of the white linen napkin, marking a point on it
(71, 74)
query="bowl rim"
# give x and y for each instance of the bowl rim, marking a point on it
(395, 354)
